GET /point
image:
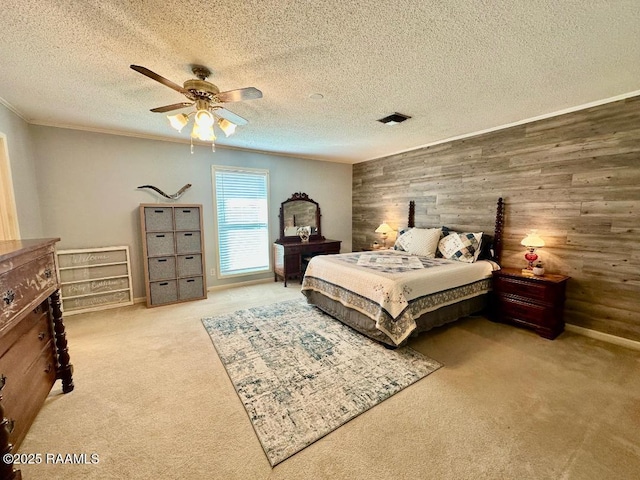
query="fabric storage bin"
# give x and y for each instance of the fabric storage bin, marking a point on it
(163, 292)
(160, 244)
(161, 268)
(158, 219)
(189, 265)
(190, 288)
(187, 218)
(188, 242)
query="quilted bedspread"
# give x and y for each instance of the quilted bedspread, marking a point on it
(394, 288)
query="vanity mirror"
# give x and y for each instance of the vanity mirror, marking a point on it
(299, 211)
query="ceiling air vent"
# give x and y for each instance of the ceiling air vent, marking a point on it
(394, 119)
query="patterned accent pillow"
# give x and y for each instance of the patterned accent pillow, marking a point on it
(403, 237)
(445, 231)
(423, 242)
(464, 247)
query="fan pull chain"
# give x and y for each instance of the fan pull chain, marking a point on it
(213, 147)
(192, 146)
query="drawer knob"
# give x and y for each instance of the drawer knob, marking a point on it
(47, 273)
(9, 297)
(48, 369)
(41, 335)
(3, 380)
(10, 424)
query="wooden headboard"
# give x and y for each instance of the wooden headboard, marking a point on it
(497, 232)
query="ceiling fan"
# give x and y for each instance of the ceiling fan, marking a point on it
(207, 99)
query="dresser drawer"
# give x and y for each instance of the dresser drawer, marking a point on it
(20, 328)
(20, 286)
(293, 250)
(25, 391)
(19, 356)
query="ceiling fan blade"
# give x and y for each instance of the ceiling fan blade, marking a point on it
(168, 108)
(227, 115)
(158, 78)
(249, 93)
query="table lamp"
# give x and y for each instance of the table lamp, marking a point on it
(531, 241)
(384, 229)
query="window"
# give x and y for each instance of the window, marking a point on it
(241, 208)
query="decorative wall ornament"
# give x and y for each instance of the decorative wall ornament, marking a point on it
(175, 196)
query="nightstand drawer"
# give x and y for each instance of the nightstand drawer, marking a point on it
(530, 313)
(530, 289)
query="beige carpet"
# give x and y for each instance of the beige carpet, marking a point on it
(154, 402)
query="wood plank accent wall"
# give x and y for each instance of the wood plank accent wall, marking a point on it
(575, 178)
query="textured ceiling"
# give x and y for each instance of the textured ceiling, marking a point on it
(457, 67)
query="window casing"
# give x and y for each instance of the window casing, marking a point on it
(8, 214)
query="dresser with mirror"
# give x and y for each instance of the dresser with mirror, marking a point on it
(300, 238)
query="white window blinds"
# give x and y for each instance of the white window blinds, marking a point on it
(242, 216)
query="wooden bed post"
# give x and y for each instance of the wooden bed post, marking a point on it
(412, 214)
(497, 234)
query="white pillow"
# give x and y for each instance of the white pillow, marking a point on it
(422, 241)
(464, 247)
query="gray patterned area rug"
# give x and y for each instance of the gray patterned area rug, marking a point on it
(301, 374)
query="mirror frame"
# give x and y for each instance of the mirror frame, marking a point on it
(296, 197)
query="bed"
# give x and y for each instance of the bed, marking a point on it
(390, 295)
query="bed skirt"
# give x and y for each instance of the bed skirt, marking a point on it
(367, 326)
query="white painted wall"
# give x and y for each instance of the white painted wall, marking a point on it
(87, 187)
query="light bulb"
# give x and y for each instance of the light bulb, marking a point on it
(203, 133)
(204, 118)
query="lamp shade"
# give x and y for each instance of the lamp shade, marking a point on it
(226, 126)
(384, 229)
(178, 121)
(532, 240)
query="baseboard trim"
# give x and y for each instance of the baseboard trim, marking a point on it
(239, 284)
(605, 337)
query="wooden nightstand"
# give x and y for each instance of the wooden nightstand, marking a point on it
(533, 302)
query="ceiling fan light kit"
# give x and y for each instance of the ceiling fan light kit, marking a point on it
(207, 98)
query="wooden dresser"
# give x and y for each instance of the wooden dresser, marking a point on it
(530, 301)
(33, 345)
(290, 258)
